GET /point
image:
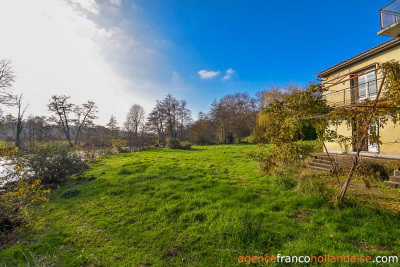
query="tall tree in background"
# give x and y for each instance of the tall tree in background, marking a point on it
(169, 108)
(169, 117)
(20, 119)
(183, 117)
(113, 126)
(84, 116)
(203, 130)
(62, 109)
(134, 119)
(37, 129)
(234, 117)
(155, 122)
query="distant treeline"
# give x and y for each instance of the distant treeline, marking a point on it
(233, 118)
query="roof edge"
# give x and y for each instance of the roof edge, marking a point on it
(373, 51)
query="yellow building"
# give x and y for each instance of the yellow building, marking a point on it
(356, 79)
(359, 78)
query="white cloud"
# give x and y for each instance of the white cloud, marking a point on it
(56, 48)
(228, 75)
(208, 74)
(116, 2)
(88, 5)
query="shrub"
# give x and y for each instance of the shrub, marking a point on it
(173, 143)
(374, 170)
(287, 153)
(54, 162)
(14, 201)
(17, 193)
(186, 145)
(118, 145)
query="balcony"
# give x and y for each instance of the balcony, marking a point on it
(352, 96)
(390, 19)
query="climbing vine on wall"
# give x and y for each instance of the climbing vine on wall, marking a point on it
(285, 113)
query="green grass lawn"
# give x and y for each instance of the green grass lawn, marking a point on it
(201, 207)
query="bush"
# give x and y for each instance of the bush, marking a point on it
(173, 143)
(54, 162)
(186, 145)
(374, 170)
(293, 153)
(118, 145)
(17, 193)
(16, 199)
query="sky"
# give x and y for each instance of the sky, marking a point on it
(123, 52)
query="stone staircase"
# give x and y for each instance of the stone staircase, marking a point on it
(394, 180)
(321, 163)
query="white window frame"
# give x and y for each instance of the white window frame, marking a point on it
(370, 82)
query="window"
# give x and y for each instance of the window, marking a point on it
(367, 88)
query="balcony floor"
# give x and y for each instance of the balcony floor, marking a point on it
(392, 30)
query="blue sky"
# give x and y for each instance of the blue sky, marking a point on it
(137, 51)
(265, 42)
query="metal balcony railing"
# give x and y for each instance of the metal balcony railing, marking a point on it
(352, 95)
(390, 14)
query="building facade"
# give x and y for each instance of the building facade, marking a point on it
(357, 79)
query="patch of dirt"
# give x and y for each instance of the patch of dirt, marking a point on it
(92, 178)
(303, 213)
(366, 247)
(172, 251)
(300, 214)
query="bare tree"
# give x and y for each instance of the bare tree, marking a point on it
(155, 122)
(170, 117)
(84, 116)
(134, 119)
(234, 117)
(37, 129)
(63, 109)
(7, 78)
(20, 119)
(184, 117)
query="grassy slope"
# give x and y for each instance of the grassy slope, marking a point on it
(202, 207)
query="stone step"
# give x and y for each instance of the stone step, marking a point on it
(321, 165)
(322, 161)
(396, 173)
(320, 169)
(322, 157)
(392, 184)
(395, 179)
